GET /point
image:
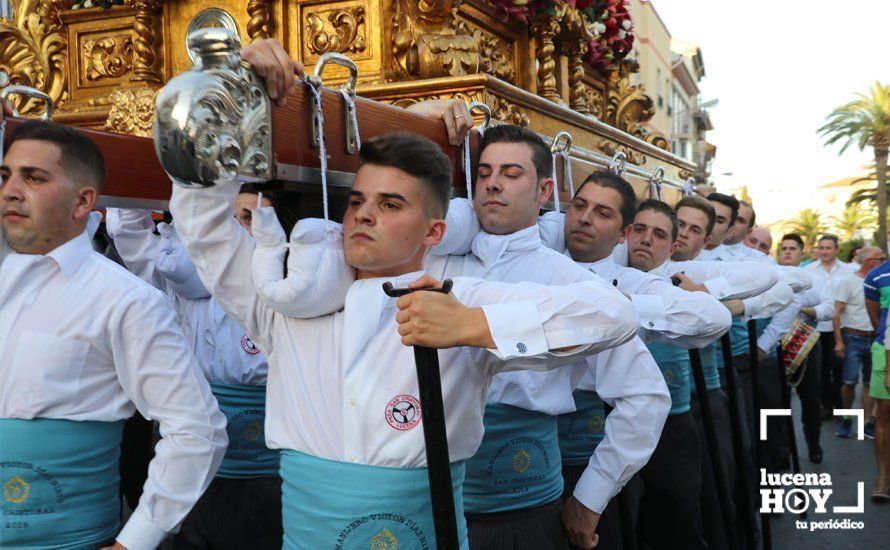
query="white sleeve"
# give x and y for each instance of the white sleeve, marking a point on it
(132, 231)
(728, 280)
(778, 326)
(628, 379)
(222, 253)
(795, 277)
(769, 303)
(159, 373)
(529, 320)
(672, 315)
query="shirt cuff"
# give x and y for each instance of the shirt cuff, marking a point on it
(651, 310)
(140, 533)
(753, 307)
(718, 287)
(594, 491)
(516, 329)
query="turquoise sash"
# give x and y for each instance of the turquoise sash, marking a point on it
(738, 334)
(60, 483)
(345, 506)
(517, 465)
(709, 366)
(245, 410)
(761, 326)
(674, 365)
(581, 431)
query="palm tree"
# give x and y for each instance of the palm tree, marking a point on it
(855, 218)
(808, 225)
(865, 122)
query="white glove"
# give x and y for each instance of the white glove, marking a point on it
(176, 267)
(318, 276)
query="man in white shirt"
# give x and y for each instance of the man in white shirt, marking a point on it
(85, 344)
(813, 306)
(853, 336)
(242, 506)
(342, 389)
(503, 503)
(760, 240)
(829, 269)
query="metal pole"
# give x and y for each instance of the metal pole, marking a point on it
(701, 390)
(735, 422)
(786, 402)
(755, 398)
(435, 437)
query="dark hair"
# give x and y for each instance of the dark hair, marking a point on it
(699, 203)
(728, 201)
(80, 157)
(662, 208)
(792, 237)
(753, 214)
(624, 189)
(418, 157)
(829, 237)
(508, 133)
(851, 255)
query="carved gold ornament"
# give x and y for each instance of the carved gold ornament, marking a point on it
(132, 111)
(109, 57)
(33, 50)
(341, 30)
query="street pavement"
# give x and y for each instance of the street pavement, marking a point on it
(848, 461)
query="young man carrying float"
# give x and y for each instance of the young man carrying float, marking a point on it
(352, 468)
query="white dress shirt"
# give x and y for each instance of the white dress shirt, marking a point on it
(332, 379)
(668, 313)
(641, 404)
(83, 339)
(829, 277)
(818, 297)
(225, 353)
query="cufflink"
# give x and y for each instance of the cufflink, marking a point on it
(651, 324)
(521, 348)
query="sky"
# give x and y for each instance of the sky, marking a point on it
(778, 68)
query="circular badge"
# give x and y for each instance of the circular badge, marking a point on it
(403, 412)
(248, 346)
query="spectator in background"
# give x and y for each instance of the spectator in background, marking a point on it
(853, 257)
(853, 335)
(828, 270)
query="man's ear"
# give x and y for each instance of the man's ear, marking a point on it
(545, 187)
(707, 240)
(673, 248)
(625, 233)
(435, 233)
(86, 199)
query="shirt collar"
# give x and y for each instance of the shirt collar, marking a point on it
(490, 248)
(69, 255)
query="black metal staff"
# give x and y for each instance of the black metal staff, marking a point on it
(701, 390)
(735, 422)
(786, 402)
(432, 411)
(755, 398)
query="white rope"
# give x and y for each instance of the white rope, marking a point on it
(467, 173)
(322, 153)
(688, 188)
(655, 189)
(555, 184)
(259, 199)
(567, 169)
(347, 97)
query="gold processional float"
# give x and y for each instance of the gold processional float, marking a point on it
(543, 64)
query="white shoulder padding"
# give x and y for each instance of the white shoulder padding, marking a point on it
(461, 227)
(318, 276)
